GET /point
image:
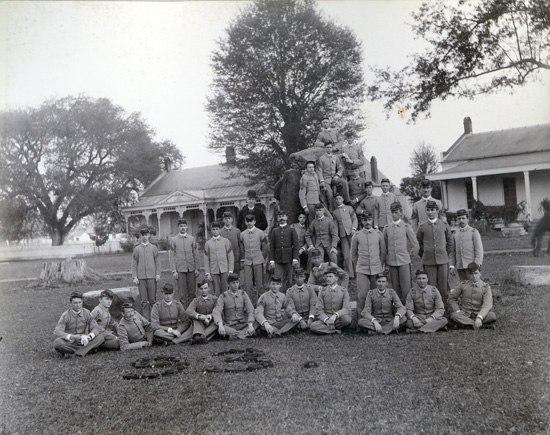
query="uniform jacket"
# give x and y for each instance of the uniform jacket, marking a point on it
(357, 189)
(468, 248)
(253, 244)
(383, 202)
(471, 298)
(73, 323)
(355, 153)
(233, 234)
(302, 301)
(369, 203)
(333, 300)
(218, 256)
(382, 306)
(104, 320)
(131, 333)
(309, 189)
(202, 306)
(345, 219)
(317, 275)
(328, 135)
(284, 245)
(301, 232)
(419, 211)
(425, 302)
(328, 166)
(164, 316)
(271, 308)
(261, 220)
(145, 262)
(322, 232)
(435, 242)
(368, 251)
(233, 308)
(183, 254)
(398, 237)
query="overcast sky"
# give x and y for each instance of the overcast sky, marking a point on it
(155, 58)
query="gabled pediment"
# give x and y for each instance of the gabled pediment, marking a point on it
(179, 197)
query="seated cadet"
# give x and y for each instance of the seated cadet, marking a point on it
(234, 312)
(105, 322)
(425, 309)
(317, 276)
(333, 306)
(134, 330)
(471, 302)
(200, 311)
(168, 319)
(271, 310)
(302, 300)
(76, 332)
(383, 310)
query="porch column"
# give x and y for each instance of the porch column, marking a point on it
(527, 195)
(126, 217)
(205, 215)
(444, 196)
(147, 215)
(474, 188)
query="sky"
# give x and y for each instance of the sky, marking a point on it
(154, 57)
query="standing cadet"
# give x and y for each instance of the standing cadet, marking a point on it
(76, 332)
(232, 234)
(398, 237)
(419, 207)
(425, 308)
(346, 221)
(468, 247)
(106, 324)
(283, 250)
(436, 243)
(200, 312)
(302, 300)
(384, 202)
(146, 272)
(309, 192)
(333, 307)
(271, 310)
(134, 331)
(234, 312)
(383, 312)
(183, 256)
(218, 259)
(470, 303)
(252, 208)
(369, 203)
(301, 229)
(322, 234)
(168, 318)
(368, 252)
(330, 174)
(253, 243)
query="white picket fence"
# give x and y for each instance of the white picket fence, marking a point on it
(10, 253)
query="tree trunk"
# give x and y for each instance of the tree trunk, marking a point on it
(68, 271)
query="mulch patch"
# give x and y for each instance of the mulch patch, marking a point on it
(247, 360)
(170, 365)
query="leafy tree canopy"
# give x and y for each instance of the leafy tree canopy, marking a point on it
(423, 160)
(280, 68)
(477, 47)
(75, 156)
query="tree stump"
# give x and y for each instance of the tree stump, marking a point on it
(71, 270)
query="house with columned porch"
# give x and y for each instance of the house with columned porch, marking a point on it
(502, 167)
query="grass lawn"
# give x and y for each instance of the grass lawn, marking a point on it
(451, 382)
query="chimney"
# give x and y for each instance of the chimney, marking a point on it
(167, 164)
(467, 125)
(374, 169)
(230, 155)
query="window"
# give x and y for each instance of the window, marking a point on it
(509, 187)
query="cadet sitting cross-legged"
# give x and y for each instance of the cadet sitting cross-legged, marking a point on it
(425, 309)
(134, 330)
(471, 302)
(200, 311)
(271, 310)
(169, 320)
(333, 307)
(302, 300)
(383, 312)
(107, 326)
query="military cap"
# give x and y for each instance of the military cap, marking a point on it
(249, 218)
(275, 278)
(354, 166)
(168, 288)
(366, 215)
(431, 204)
(107, 294)
(144, 231)
(421, 272)
(281, 212)
(426, 183)
(319, 206)
(396, 206)
(381, 275)
(328, 143)
(369, 183)
(227, 214)
(473, 267)
(299, 271)
(385, 180)
(76, 294)
(251, 194)
(127, 305)
(315, 253)
(182, 222)
(332, 270)
(461, 212)
(215, 224)
(232, 277)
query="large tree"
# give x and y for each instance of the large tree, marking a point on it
(423, 160)
(279, 69)
(73, 157)
(476, 47)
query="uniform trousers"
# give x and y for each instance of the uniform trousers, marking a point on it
(148, 296)
(285, 272)
(327, 251)
(400, 279)
(338, 186)
(199, 328)
(254, 274)
(111, 340)
(282, 326)
(434, 325)
(187, 283)
(470, 320)
(63, 346)
(185, 330)
(438, 276)
(345, 247)
(364, 284)
(341, 323)
(219, 282)
(239, 329)
(387, 324)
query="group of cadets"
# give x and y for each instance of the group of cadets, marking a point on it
(307, 289)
